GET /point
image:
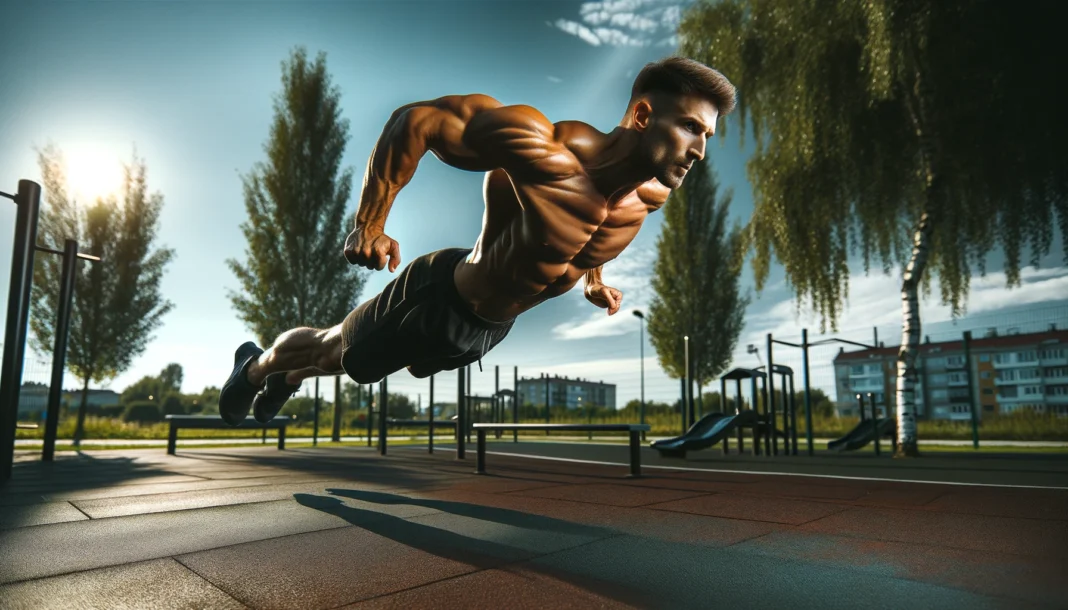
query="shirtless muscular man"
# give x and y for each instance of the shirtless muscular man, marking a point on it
(562, 199)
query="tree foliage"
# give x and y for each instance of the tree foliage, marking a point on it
(869, 115)
(117, 300)
(696, 279)
(295, 273)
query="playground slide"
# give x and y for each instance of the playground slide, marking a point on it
(705, 432)
(862, 434)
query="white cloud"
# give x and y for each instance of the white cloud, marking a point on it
(555, 79)
(630, 274)
(626, 22)
(577, 29)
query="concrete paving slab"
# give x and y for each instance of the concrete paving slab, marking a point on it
(379, 555)
(1024, 503)
(160, 583)
(514, 587)
(612, 495)
(807, 489)
(683, 576)
(185, 500)
(39, 514)
(755, 508)
(664, 525)
(48, 550)
(996, 574)
(104, 493)
(1025, 537)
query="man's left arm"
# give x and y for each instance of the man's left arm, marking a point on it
(600, 295)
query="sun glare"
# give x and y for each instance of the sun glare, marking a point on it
(92, 173)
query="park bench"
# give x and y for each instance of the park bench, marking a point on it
(216, 422)
(635, 431)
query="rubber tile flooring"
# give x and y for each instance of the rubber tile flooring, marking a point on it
(345, 527)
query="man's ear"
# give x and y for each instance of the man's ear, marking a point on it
(642, 114)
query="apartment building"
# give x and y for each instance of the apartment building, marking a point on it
(1005, 373)
(574, 393)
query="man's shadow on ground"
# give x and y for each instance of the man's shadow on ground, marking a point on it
(482, 554)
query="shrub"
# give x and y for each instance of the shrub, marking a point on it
(142, 411)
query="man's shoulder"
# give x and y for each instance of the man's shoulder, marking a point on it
(582, 139)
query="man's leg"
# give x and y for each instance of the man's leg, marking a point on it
(296, 355)
(300, 353)
(301, 346)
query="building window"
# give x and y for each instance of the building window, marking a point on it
(984, 358)
(988, 391)
(984, 375)
(988, 408)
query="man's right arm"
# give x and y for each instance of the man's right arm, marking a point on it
(470, 132)
(412, 131)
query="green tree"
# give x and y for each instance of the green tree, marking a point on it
(917, 131)
(170, 378)
(295, 274)
(696, 280)
(145, 388)
(117, 300)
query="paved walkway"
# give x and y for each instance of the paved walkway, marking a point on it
(345, 527)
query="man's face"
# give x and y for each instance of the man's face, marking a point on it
(675, 134)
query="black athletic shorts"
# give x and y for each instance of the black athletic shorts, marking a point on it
(417, 321)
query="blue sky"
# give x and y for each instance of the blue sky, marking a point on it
(190, 84)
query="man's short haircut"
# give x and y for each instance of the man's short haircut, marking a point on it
(683, 76)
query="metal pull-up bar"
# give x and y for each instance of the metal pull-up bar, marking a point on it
(28, 203)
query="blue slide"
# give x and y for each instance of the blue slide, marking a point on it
(704, 433)
(862, 434)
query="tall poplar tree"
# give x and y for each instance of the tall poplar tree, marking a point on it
(295, 273)
(695, 280)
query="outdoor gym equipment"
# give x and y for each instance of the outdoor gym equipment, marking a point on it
(28, 201)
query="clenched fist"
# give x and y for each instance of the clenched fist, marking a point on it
(604, 297)
(372, 248)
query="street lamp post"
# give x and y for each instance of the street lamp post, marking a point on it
(641, 360)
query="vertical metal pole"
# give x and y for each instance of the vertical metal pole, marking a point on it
(383, 413)
(497, 410)
(874, 422)
(771, 399)
(737, 410)
(27, 201)
(461, 419)
(515, 402)
(971, 392)
(753, 399)
(641, 358)
(687, 398)
(808, 396)
(430, 418)
(682, 403)
(793, 417)
(315, 426)
(59, 350)
(370, 414)
(547, 401)
(339, 411)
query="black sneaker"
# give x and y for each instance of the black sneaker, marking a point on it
(235, 400)
(269, 402)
